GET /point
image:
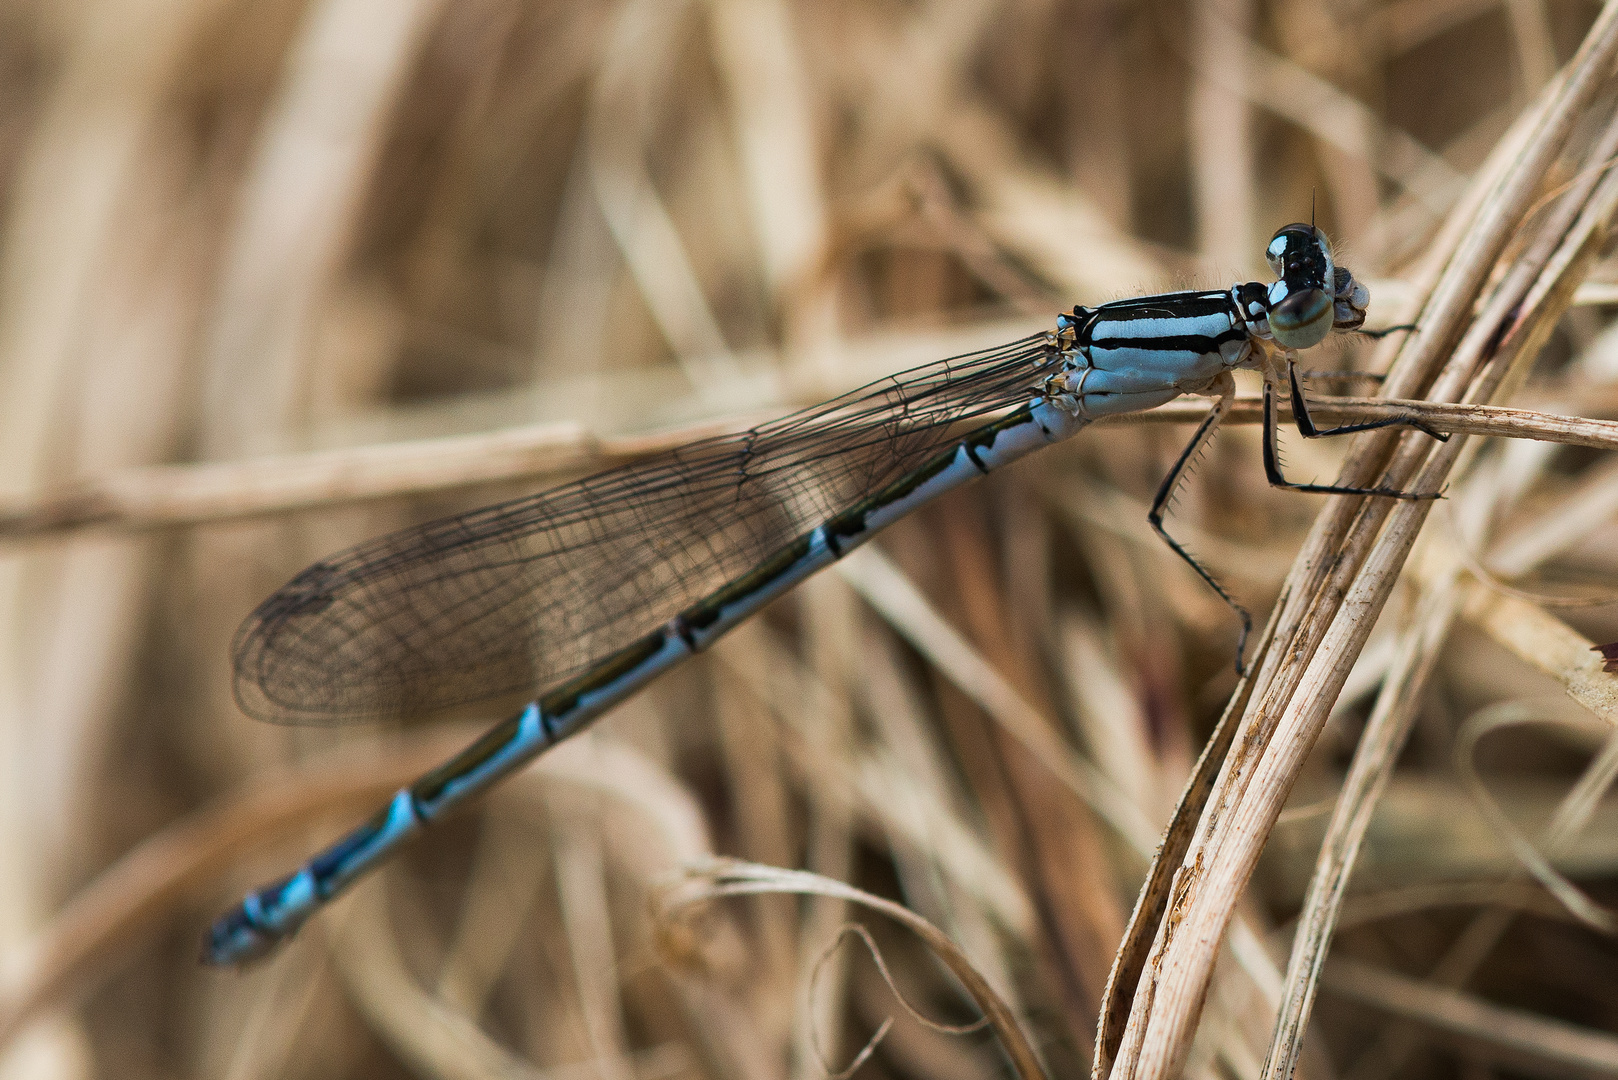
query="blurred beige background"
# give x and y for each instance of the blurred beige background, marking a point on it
(233, 231)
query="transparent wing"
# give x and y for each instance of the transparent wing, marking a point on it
(523, 594)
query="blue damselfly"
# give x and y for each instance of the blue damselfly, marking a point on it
(585, 593)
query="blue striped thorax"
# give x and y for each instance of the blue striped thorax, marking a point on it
(1138, 353)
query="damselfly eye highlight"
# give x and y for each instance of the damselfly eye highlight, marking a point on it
(1303, 319)
(1299, 255)
(1277, 251)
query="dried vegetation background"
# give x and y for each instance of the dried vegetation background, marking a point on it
(277, 277)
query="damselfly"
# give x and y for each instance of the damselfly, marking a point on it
(585, 593)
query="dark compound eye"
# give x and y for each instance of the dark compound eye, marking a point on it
(1299, 255)
(1303, 319)
(1275, 254)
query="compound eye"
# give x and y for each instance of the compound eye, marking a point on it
(1289, 244)
(1275, 254)
(1303, 319)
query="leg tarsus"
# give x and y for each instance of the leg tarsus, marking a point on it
(1306, 422)
(1272, 466)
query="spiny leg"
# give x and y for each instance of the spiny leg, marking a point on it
(1344, 376)
(1272, 466)
(1225, 386)
(1360, 376)
(1378, 335)
(1306, 422)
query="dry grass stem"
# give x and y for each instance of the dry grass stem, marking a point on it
(702, 884)
(1306, 667)
(174, 495)
(1507, 1037)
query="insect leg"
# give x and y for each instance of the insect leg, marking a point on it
(1306, 422)
(1272, 466)
(1226, 388)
